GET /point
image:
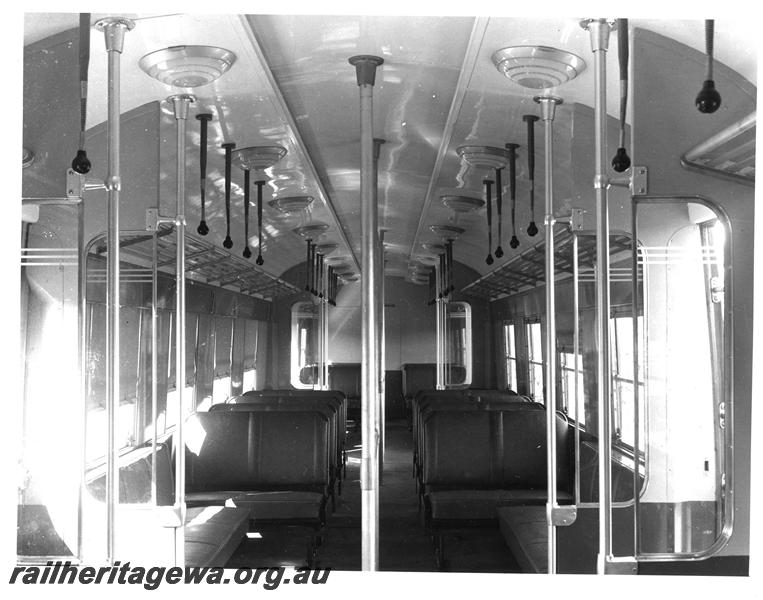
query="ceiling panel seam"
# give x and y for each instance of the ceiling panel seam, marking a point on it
(292, 125)
(467, 69)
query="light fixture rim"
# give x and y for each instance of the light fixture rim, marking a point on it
(316, 227)
(291, 204)
(258, 158)
(462, 204)
(164, 60)
(524, 56)
(489, 157)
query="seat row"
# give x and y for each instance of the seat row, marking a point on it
(261, 459)
(476, 455)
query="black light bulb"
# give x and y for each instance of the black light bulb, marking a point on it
(489, 259)
(202, 229)
(247, 252)
(532, 229)
(621, 162)
(514, 243)
(498, 252)
(81, 163)
(259, 260)
(708, 100)
(228, 243)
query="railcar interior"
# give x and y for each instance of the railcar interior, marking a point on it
(398, 293)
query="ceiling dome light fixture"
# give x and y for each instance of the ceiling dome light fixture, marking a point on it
(326, 249)
(485, 157)
(311, 230)
(187, 66)
(433, 247)
(462, 204)
(538, 67)
(291, 204)
(448, 232)
(258, 158)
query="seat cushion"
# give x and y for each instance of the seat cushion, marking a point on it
(282, 506)
(482, 504)
(213, 533)
(196, 499)
(526, 533)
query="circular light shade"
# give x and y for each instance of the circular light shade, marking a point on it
(486, 157)
(326, 249)
(187, 66)
(538, 67)
(425, 259)
(462, 204)
(436, 248)
(311, 230)
(449, 232)
(291, 204)
(337, 261)
(258, 158)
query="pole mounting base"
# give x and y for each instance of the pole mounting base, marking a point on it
(365, 67)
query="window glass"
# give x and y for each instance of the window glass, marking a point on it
(684, 348)
(569, 366)
(458, 357)
(621, 336)
(304, 345)
(510, 348)
(535, 359)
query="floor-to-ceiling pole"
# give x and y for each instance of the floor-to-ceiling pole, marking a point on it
(381, 362)
(599, 30)
(548, 108)
(180, 104)
(114, 29)
(365, 67)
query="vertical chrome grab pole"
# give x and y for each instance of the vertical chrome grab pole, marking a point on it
(636, 363)
(380, 307)
(154, 363)
(548, 108)
(180, 104)
(114, 29)
(599, 30)
(81, 345)
(365, 67)
(575, 352)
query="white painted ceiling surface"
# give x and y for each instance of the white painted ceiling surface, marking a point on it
(292, 85)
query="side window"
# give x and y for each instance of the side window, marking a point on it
(458, 358)
(573, 401)
(510, 354)
(621, 349)
(535, 360)
(304, 345)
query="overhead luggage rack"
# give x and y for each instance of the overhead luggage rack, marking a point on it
(729, 154)
(527, 270)
(205, 262)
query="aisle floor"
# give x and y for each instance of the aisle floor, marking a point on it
(402, 541)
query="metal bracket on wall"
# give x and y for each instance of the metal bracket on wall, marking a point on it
(619, 565)
(154, 220)
(637, 181)
(562, 516)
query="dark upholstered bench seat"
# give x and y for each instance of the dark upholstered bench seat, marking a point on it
(525, 530)
(212, 534)
(264, 506)
(481, 504)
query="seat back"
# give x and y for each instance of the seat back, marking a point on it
(246, 450)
